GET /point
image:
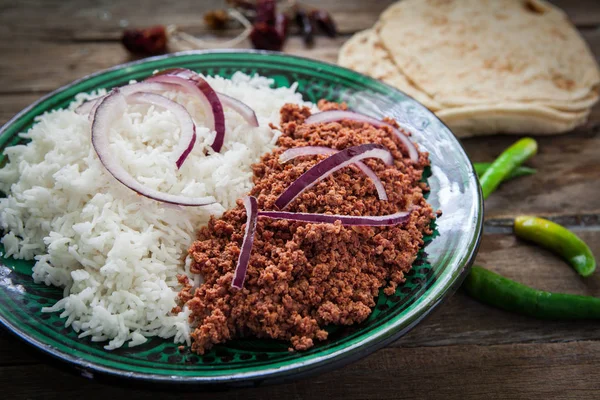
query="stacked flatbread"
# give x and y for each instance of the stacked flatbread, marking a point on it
(483, 66)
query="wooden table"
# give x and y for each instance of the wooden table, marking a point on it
(464, 350)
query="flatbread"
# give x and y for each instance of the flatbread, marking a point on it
(470, 52)
(364, 53)
(483, 66)
(509, 118)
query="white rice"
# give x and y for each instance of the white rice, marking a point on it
(117, 254)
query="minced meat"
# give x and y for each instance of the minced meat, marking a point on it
(302, 276)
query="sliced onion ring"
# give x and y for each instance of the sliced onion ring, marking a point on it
(340, 115)
(348, 220)
(92, 113)
(292, 153)
(239, 275)
(126, 90)
(188, 129)
(89, 107)
(182, 72)
(329, 165)
(240, 107)
(195, 84)
(110, 109)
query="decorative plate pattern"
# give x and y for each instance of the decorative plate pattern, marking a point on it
(438, 270)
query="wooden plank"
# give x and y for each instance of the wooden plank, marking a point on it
(71, 60)
(16, 352)
(551, 370)
(12, 104)
(583, 13)
(30, 71)
(104, 20)
(567, 181)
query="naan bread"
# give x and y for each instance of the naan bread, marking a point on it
(463, 52)
(509, 118)
(364, 53)
(484, 66)
(467, 120)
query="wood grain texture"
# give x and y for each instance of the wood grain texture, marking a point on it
(549, 370)
(104, 20)
(567, 165)
(464, 350)
(56, 20)
(73, 60)
(12, 104)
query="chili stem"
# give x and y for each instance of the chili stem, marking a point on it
(518, 172)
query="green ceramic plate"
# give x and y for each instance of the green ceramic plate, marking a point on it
(438, 270)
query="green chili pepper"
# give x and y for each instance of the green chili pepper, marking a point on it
(495, 290)
(518, 172)
(558, 239)
(502, 167)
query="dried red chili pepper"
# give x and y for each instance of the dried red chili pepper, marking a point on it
(265, 37)
(270, 28)
(146, 41)
(324, 21)
(265, 12)
(305, 24)
(270, 37)
(216, 19)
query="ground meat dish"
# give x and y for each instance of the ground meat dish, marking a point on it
(302, 276)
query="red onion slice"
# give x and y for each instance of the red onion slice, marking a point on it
(182, 72)
(195, 84)
(330, 165)
(290, 154)
(90, 106)
(87, 106)
(339, 115)
(92, 113)
(110, 109)
(242, 265)
(348, 220)
(240, 107)
(188, 133)
(188, 129)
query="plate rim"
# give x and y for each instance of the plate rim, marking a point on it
(295, 369)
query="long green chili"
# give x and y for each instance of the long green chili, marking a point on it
(558, 239)
(502, 167)
(495, 290)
